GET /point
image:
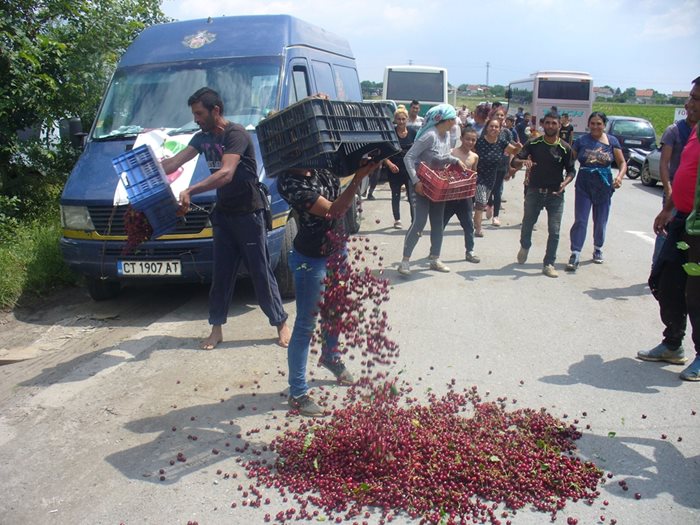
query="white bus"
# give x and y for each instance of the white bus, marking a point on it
(569, 91)
(427, 85)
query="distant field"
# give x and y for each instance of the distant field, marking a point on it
(659, 116)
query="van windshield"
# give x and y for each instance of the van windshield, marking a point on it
(155, 96)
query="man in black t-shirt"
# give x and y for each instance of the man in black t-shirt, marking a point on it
(548, 158)
(238, 218)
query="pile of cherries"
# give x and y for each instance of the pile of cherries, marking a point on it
(457, 458)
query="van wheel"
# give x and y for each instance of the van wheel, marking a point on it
(283, 274)
(352, 216)
(102, 289)
(647, 179)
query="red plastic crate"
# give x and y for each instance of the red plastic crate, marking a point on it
(448, 184)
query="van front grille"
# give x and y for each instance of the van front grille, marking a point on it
(109, 220)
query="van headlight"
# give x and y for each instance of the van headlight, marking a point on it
(76, 218)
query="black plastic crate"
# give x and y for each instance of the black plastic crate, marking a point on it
(317, 133)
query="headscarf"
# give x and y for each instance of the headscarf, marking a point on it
(435, 115)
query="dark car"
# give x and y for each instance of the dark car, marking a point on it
(631, 132)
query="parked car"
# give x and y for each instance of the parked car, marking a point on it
(631, 132)
(651, 174)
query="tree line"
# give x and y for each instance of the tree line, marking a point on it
(56, 58)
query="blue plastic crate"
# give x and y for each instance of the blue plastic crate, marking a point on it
(318, 133)
(160, 210)
(141, 173)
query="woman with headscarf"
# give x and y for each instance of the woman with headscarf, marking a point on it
(398, 175)
(433, 147)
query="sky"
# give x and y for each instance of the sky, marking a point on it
(645, 44)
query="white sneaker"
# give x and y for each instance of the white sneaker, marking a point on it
(404, 268)
(438, 266)
(398, 225)
(496, 222)
(549, 271)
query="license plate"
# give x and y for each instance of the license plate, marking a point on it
(146, 268)
(635, 142)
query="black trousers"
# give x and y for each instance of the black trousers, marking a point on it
(677, 292)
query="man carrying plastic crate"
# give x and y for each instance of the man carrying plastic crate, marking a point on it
(548, 158)
(238, 218)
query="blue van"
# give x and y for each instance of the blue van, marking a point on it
(258, 64)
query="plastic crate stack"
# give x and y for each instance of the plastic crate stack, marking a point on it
(317, 133)
(147, 188)
(448, 184)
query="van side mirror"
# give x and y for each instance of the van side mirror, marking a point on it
(72, 129)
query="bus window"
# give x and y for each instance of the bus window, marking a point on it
(564, 90)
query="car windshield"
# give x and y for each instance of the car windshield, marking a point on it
(155, 96)
(633, 128)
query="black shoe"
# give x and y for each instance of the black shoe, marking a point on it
(305, 405)
(370, 197)
(572, 266)
(339, 371)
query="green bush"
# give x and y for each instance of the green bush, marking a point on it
(31, 264)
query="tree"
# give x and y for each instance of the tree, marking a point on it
(56, 57)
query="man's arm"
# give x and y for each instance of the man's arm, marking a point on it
(570, 168)
(171, 164)
(219, 178)
(664, 162)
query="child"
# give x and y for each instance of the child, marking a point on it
(566, 131)
(463, 208)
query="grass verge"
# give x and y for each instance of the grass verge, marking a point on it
(31, 263)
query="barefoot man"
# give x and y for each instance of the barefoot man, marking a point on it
(238, 218)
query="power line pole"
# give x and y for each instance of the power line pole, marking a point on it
(488, 64)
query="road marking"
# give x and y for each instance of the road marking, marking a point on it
(648, 237)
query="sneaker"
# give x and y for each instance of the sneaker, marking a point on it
(398, 225)
(550, 271)
(489, 212)
(404, 268)
(472, 257)
(692, 373)
(598, 256)
(337, 367)
(305, 405)
(661, 352)
(496, 222)
(573, 263)
(478, 233)
(370, 197)
(522, 255)
(438, 266)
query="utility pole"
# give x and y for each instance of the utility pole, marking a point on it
(488, 64)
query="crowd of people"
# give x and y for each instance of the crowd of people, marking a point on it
(496, 146)
(488, 142)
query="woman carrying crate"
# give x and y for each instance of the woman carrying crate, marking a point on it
(316, 197)
(432, 146)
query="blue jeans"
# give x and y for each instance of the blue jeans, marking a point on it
(422, 209)
(535, 201)
(590, 193)
(309, 273)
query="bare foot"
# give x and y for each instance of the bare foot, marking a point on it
(215, 337)
(284, 335)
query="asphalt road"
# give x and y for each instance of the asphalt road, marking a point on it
(86, 416)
